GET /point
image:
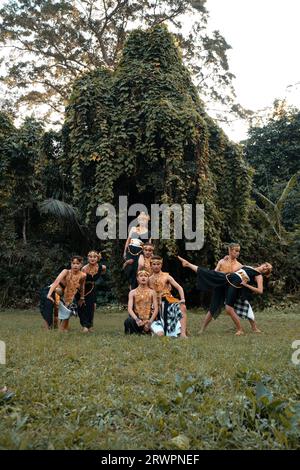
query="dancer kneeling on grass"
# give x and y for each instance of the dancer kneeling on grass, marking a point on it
(172, 312)
(142, 307)
(239, 283)
(68, 286)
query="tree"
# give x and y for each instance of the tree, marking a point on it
(142, 131)
(273, 150)
(273, 213)
(31, 177)
(51, 43)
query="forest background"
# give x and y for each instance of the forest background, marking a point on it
(110, 98)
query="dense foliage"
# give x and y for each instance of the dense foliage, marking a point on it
(273, 150)
(143, 132)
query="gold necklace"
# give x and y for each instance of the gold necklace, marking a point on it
(74, 275)
(92, 270)
(157, 279)
(140, 291)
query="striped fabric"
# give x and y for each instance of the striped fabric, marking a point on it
(244, 309)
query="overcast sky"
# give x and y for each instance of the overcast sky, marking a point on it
(265, 40)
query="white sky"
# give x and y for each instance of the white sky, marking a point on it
(265, 40)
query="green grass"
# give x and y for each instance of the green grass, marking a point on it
(108, 391)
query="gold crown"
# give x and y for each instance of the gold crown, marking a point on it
(143, 271)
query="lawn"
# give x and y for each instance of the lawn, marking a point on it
(107, 391)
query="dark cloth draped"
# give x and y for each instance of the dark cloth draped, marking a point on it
(225, 287)
(133, 252)
(87, 310)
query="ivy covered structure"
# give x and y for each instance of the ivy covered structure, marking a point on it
(142, 131)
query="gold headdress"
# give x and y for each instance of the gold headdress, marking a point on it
(143, 271)
(98, 254)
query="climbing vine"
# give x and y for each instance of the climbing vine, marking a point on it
(142, 131)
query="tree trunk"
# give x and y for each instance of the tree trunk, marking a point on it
(24, 227)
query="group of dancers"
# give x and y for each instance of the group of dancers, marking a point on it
(152, 308)
(73, 293)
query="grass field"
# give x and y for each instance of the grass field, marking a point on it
(107, 391)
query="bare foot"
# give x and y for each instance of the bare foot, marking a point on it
(85, 330)
(239, 333)
(183, 261)
(256, 330)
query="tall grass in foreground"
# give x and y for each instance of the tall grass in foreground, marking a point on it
(108, 391)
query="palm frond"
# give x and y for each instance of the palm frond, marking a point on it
(285, 193)
(270, 222)
(267, 202)
(62, 211)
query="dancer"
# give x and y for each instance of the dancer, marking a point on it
(68, 284)
(229, 264)
(145, 258)
(243, 279)
(134, 248)
(142, 306)
(93, 271)
(172, 312)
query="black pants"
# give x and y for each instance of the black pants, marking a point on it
(131, 327)
(86, 313)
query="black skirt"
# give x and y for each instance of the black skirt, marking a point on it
(133, 252)
(226, 288)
